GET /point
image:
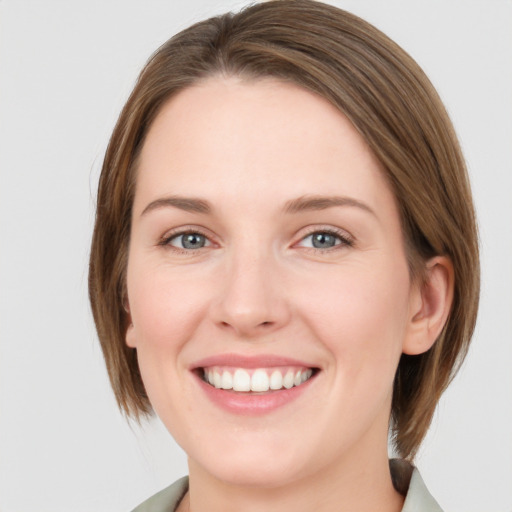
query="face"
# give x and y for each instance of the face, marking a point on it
(268, 287)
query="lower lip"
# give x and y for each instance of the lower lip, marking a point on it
(252, 403)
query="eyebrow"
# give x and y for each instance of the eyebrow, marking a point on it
(306, 203)
(188, 204)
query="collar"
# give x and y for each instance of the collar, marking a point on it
(408, 482)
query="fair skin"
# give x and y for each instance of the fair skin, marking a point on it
(292, 260)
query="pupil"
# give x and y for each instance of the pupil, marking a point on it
(323, 240)
(193, 241)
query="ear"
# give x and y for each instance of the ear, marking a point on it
(430, 303)
(130, 330)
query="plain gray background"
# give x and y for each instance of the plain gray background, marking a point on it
(66, 68)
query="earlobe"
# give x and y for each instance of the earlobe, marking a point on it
(130, 330)
(130, 336)
(431, 303)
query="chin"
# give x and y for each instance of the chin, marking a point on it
(256, 465)
(259, 474)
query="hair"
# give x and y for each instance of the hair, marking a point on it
(394, 107)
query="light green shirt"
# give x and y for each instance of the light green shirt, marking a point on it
(417, 499)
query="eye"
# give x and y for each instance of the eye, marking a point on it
(324, 240)
(190, 241)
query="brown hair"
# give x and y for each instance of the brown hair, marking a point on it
(392, 104)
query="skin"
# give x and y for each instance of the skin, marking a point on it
(259, 286)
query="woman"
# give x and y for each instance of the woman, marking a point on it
(284, 263)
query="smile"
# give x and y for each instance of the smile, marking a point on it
(259, 380)
(254, 385)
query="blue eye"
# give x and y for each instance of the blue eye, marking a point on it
(323, 240)
(189, 241)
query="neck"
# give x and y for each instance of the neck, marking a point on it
(362, 485)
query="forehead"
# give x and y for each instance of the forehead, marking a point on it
(251, 138)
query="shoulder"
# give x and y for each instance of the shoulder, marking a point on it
(166, 500)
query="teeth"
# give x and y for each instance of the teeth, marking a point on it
(217, 379)
(259, 380)
(227, 380)
(288, 380)
(276, 380)
(241, 381)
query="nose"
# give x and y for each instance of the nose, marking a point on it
(251, 301)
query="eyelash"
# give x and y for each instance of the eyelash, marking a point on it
(342, 236)
(165, 241)
(345, 239)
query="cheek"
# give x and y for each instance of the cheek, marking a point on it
(361, 316)
(165, 313)
(164, 309)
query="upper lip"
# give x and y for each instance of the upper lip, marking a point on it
(244, 361)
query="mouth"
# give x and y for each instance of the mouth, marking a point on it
(255, 380)
(254, 385)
